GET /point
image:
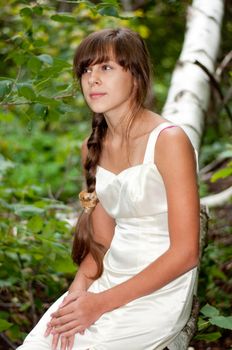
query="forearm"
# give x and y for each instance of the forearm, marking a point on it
(159, 273)
(86, 270)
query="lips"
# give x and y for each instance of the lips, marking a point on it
(95, 95)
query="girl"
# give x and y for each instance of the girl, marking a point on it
(137, 240)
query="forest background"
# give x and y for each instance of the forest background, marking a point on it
(43, 121)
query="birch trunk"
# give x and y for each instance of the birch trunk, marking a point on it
(189, 92)
(188, 98)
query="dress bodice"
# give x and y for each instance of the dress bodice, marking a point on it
(135, 192)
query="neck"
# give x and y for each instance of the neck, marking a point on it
(117, 124)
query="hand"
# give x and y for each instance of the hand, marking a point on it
(70, 297)
(65, 342)
(78, 311)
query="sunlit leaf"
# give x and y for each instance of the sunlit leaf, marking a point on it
(27, 91)
(4, 325)
(222, 321)
(208, 336)
(5, 87)
(209, 310)
(26, 12)
(35, 224)
(45, 58)
(64, 18)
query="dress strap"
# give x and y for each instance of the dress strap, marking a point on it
(150, 149)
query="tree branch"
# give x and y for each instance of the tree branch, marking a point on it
(7, 341)
(216, 85)
(217, 199)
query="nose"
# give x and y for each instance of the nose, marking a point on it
(94, 77)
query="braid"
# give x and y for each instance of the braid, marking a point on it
(84, 242)
(94, 144)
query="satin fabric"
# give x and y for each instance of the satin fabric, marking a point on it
(136, 198)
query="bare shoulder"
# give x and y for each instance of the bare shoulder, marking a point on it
(174, 137)
(174, 147)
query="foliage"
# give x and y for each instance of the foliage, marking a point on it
(211, 316)
(43, 123)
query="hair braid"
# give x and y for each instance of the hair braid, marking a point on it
(94, 144)
(84, 242)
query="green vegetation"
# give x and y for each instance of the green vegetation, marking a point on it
(43, 121)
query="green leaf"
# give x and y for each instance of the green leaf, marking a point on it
(208, 336)
(202, 324)
(35, 224)
(108, 11)
(64, 19)
(209, 310)
(18, 57)
(26, 12)
(34, 64)
(46, 59)
(40, 110)
(222, 173)
(26, 90)
(222, 321)
(64, 265)
(38, 10)
(4, 325)
(26, 210)
(5, 87)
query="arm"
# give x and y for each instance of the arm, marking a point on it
(103, 227)
(175, 160)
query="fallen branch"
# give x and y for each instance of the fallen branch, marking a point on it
(217, 199)
(7, 341)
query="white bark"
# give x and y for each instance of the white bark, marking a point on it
(189, 92)
(217, 199)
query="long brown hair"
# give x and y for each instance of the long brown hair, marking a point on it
(129, 51)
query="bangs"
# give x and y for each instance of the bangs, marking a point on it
(98, 49)
(95, 53)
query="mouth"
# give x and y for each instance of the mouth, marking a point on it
(96, 95)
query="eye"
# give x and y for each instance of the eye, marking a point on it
(86, 70)
(106, 67)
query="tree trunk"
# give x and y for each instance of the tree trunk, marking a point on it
(189, 92)
(188, 100)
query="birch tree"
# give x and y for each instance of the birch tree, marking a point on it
(188, 96)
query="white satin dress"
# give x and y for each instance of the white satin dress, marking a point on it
(136, 198)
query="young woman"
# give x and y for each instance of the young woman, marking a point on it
(137, 239)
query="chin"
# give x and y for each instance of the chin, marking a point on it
(96, 109)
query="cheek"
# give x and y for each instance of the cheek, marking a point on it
(83, 87)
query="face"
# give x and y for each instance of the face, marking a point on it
(107, 88)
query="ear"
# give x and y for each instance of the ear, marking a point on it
(135, 82)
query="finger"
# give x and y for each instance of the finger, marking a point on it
(56, 322)
(63, 343)
(74, 331)
(63, 311)
(55, 340)
(47, 331)
(71, 342)
(65, 327)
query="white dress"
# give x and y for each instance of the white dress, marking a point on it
(136, 198)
